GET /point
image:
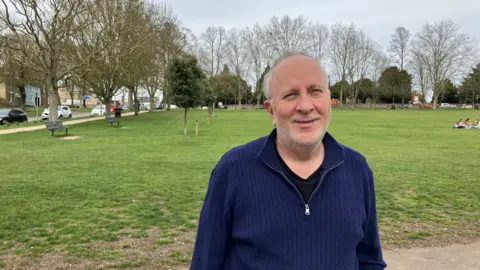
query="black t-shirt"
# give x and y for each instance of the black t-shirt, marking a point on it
(305, 186)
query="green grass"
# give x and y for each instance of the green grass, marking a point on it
(145, 183)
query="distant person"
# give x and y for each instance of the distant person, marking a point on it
(459, 124)
(468, 123)
(477, 123)
(295, 198)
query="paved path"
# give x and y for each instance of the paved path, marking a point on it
(69, 122)
(458, 257)
(454, 257)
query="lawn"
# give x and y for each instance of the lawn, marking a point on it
(130, 197)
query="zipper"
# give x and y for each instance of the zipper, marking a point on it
(307, 207)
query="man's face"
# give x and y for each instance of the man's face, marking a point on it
(300, 103)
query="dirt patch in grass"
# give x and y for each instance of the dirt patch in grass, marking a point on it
(169, 250)
(396, 235)
(70, 138)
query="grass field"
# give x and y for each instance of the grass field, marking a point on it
(130, 197)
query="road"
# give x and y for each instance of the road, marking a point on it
(32, 116)
(69, 122)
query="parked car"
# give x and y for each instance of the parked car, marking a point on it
(12, 115)
(62, 111)
(447, 105)
(98, 110)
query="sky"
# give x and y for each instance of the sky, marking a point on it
(378, 18)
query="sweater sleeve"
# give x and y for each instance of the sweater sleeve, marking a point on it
(214, 227)
(369, 251)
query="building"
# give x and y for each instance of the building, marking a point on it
(66, 98)
(9, 95)
(32, 92)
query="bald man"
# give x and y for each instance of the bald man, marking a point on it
(295, 198)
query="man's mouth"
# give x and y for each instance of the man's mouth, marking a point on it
(304, 121)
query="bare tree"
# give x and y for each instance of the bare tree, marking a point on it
(212, 49)
(173, 43)
(399, 46)
(418, 67)
(238, 58)
(399, 51)
(113, 41)
(287, 34)
(48, 25)
(167, 39)
(445, 53)
(342, 39)
(379, 62)
(212, 57)
(254, 44)
(318, 41)
(359, 61)
(193, 44)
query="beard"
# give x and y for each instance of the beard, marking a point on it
(298, 140)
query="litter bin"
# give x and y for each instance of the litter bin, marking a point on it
(118, 111)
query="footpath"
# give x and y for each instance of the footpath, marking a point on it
(69, 122)
(453, 257)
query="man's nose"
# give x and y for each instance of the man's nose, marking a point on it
(305, 104)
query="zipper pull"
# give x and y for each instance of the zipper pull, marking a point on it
(307, 210)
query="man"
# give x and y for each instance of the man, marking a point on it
(295, 199)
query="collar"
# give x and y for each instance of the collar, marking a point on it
(334, 153)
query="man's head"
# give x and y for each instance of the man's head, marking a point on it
(298, 99)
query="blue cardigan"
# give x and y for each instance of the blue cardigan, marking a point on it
(254, 218)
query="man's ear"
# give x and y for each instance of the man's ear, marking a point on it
(268, 105)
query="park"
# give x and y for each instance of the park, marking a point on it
(130, 197)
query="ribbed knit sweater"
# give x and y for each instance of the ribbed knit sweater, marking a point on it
(254, 218)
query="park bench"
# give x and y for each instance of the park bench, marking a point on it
(56, 125)
(112, 119)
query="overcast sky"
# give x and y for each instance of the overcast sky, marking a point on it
(378, 18)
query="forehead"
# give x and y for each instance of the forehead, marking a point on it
(297, 70)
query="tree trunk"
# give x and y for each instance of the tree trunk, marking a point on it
(52, 99)
(84, 91)
(341, 97)
(185, 122)
(108, 104)
(210, 108)
(403, 94)
(136, 103)
(435, 101)
(52, 107)
(130, 99)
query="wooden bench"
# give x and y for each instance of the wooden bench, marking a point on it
(56, 125)
(112, 119)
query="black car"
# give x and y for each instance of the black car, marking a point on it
(12, 115)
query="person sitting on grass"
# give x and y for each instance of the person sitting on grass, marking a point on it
(459, 124)
(468, 123)
(477, 124)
